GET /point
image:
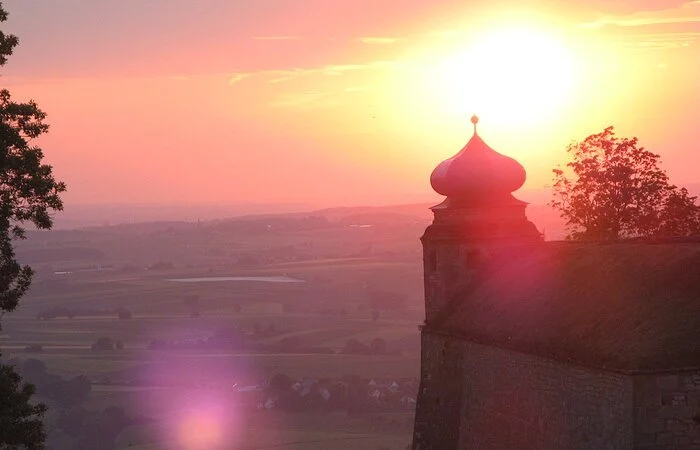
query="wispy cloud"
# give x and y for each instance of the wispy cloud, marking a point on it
(281, 76)
(378, 40)
(641, 21)
(673, 13)
(300, 99)
(236, 77)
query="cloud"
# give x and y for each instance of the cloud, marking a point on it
(634, 6)
(281, 76)
(284, 75)
(235, 78)
(378, 40)
(655, 13)
(641, 21)
(300, 99)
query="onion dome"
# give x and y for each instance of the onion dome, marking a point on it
(477, 173)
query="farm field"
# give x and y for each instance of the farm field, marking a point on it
(152, 348)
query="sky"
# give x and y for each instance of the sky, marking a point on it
(343, 102)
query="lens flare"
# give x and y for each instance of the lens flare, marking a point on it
(202, 429)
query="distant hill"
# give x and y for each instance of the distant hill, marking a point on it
(187, 217)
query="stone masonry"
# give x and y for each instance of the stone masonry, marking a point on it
(667, 411)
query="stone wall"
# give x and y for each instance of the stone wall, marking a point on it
(510, 400)
(438, 413)
(667, 411)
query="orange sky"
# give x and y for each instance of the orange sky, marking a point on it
(343, 101)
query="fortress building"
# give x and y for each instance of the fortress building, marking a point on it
(533, 345)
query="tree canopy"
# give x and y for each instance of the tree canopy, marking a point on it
(28, 194)
(20, 420)
(612, 188)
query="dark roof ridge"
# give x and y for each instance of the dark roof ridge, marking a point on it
(692, 239)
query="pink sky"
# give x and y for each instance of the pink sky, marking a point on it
(317, 101)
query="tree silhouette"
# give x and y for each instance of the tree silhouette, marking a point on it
(614, 188)
(20, 420)
(680, 214)
(28, 192)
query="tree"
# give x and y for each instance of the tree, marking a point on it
(34, 370)
(20, 420)
(680, 214)
(615, 189)
(28, 192)
(123, 314)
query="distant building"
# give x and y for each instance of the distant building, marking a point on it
(533, 345)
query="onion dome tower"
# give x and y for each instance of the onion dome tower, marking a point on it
(478, 219)
(477, 175)
(477, 229)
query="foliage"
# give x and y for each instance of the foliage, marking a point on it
(68, 392)
(20, 420)
(618, 190)
(28, 191)
(680, 214)
(52, 386)
(33, 370)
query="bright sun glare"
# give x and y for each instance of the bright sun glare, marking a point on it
(517, 74)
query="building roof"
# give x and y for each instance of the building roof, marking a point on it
(477, 171)
(630, 306)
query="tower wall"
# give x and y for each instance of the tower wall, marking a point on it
(457, 244)
(479, 224)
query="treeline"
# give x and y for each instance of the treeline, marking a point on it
(59, 311)
(65, 392)
(268, 224)
(234, 339)
(95, 429)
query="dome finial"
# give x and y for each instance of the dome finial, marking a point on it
(475, 120)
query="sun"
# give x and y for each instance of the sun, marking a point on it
(517, 74)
